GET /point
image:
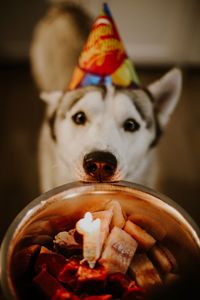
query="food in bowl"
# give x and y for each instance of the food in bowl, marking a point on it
(49, 243)
(125, 259)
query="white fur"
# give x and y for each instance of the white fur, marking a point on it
(57, 41)
(62, 161)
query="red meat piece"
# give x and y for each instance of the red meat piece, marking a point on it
(101, 297)
(51, 288)
(68, 273)
(60, 295)
(24, 258)
(91, 280)
(51, 261)
(134, 292)
(117, 284)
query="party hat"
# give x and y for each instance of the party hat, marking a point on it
(104, 59)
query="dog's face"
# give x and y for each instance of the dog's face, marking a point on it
(107, 133)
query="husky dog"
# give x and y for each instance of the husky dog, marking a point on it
(99, 133)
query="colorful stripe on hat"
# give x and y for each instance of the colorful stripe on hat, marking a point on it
(104, 59)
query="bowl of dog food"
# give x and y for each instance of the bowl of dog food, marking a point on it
(97, 241)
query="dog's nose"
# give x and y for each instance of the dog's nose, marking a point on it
(100, 165)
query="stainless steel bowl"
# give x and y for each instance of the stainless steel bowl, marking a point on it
(61, 207)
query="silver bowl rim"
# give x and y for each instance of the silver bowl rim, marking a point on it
(31, 208)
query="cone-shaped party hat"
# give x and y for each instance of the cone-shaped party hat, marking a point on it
(104, 59)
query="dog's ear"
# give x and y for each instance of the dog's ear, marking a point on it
(166, 93)
(51, 99)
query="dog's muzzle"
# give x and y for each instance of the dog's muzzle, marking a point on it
(100, 165)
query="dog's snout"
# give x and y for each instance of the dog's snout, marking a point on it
(100, 165)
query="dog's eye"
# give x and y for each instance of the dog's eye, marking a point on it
(131, 125)
(79, 118)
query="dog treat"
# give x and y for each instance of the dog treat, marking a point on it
(151, 226)
(144, 239)
(66, 240)
(119, 250)
(118, 218)
(130, 262)
(144, 272)
(163, 258)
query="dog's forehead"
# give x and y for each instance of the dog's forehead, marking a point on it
(141, 100)
(139, 97)
(72, 97)
(78, 94)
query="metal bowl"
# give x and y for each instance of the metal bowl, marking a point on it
(61, 207)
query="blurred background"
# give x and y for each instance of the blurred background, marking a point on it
(158, 35)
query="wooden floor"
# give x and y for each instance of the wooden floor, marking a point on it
(20, 118)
